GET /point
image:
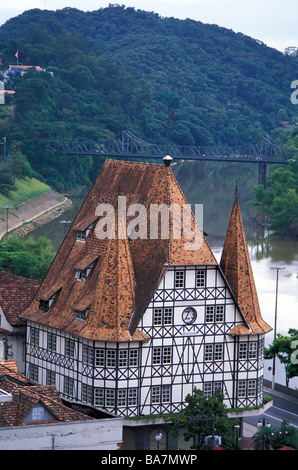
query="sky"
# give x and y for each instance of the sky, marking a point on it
(274, 22)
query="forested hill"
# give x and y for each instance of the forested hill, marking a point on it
(117, 68)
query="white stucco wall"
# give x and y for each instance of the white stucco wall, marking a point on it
(102, 434)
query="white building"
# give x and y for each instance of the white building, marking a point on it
(131, 324)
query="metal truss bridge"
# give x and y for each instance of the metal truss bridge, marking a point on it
(129, 147)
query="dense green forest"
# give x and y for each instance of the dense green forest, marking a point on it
(119, 68)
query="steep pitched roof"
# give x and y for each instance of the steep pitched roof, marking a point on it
(236, 265)
(16, 293)
(26, 394)
(125, 273)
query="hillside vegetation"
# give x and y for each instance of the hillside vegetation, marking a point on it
(117, 68)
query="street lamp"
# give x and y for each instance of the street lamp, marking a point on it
(158, 438)
(278, 268)
(237, 429)
(65, 222)
(262, 422)
(6, 207)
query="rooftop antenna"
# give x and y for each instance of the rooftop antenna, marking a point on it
(167, 159)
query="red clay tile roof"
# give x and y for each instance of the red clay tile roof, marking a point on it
(16, 293)
(26, 394)
(127, 272)
(236, 265)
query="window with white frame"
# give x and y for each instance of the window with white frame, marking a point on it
(99, 396)
(161, 394)
(166, 393)
(242, 350)
(68, 386)
(33, 372)
(215, 313)
(69, 347)
(110, 397)
(122, 397)
(207, 389)
(87, 393)
(242, 388)
(81, 235)
(99, 357)
(51, 342)
(162, 355)
(200, 278)
(50, 377)
(218, 352)
(162, 316)
(210, 387)
(251, 388)
(219, 313)
(87, 354)
(208, 352)
(34, 337)
(123, 358)
(179, 279)
(209, 317)
(155, 394)
(133, 357)
(132, 397)
(81, 315)
(252, 350)
(213, 352)
(111, 358)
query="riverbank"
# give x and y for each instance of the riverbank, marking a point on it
(26, 216)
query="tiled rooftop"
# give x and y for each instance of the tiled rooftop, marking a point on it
(16, 293)
(25, 395)
(236, 265)
(125, 273)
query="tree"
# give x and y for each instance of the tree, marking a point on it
(203, 417)
(262, 438)
(18, 163)
(28, 258)
(267, 438)
(286, 349)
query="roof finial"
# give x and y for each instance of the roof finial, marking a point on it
(236, 192)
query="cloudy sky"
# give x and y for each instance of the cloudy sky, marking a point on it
(275, 22)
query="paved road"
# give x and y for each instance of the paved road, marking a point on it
(285, 407)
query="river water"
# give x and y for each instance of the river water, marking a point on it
(213, 187)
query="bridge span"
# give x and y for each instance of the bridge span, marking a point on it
(127, 146)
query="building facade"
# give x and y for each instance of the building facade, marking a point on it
(131, 324)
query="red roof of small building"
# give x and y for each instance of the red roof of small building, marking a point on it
(16, 293)
(26, 394)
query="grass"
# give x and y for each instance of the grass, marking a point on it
(26, 188)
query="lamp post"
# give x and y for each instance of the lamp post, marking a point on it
(278, 268)
(263, 422)
(158, 438)
(65, 222)
(6, 207)
(237, 429)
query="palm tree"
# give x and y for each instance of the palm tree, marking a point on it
(262, 438)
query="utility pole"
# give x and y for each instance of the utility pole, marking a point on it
(6, 207)
(275, 321)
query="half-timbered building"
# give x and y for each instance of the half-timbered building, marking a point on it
(133, 323)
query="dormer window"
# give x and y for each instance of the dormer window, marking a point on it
(83, 269)
(81, 235)
(81, 315)
(45, 304)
